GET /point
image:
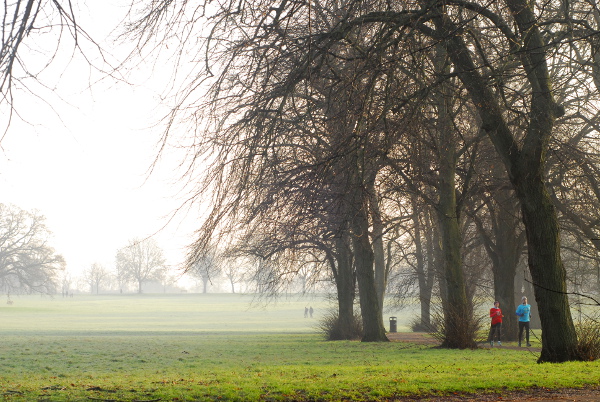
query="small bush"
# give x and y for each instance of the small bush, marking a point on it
(456, 330)
(330, 325)
(588, 339)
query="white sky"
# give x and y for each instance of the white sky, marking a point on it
(84, 164)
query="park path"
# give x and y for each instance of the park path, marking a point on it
(588, 394)
(423, 338)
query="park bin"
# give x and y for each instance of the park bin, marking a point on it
(393, 324)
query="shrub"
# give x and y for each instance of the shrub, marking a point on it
(457, 330)
(588, 339)
(334, 331)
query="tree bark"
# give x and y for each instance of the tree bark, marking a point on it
(457, 307)
(381, 274)
(374, 330)
(425, 276)
(457, 311)
(357, 204)
(345, 285)
(559, 340)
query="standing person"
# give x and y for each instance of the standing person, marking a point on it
(524, 313)
(305, 312)
(311, 311)
(496, 328)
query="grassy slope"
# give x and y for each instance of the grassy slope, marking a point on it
(205, 347)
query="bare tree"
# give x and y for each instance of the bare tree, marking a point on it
(66, 282)
(233, 271)
(166, 277)
(121, 276)
(95, 276)
(207, 268)
(140, 260)
(27, 261)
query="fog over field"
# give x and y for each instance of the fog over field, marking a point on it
(153, 314)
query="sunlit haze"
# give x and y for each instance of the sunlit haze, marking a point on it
(82, 160)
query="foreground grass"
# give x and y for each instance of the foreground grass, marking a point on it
(141, 360)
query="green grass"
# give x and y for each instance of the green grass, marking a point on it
(215, 347)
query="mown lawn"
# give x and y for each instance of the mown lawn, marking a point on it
(198, 347)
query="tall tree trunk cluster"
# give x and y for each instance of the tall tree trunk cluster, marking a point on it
(525, 166)
(316, 117)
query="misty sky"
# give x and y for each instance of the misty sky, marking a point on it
(82, 156)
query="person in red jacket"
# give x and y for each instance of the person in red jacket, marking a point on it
(496, 328)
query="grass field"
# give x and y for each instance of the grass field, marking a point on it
(219, 347)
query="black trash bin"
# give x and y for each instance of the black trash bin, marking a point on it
(393, 324)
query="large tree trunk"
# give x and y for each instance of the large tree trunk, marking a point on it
(547, 272)
(372, 317)
(345, 285)
(457, 310)
(349, 182)
(381, 274)
(357, 204)
(539, 216)
(439, 266)
(424, 270)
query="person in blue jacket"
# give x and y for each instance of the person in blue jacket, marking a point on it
(524, 313)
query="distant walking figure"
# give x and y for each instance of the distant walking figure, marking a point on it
(524, 313)
(311, 311)
(305, 312)
(496, 328)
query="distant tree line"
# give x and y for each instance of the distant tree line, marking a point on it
(29, 264)
(140, 262)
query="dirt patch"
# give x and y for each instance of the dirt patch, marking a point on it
(421, 338)
(586, 394)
